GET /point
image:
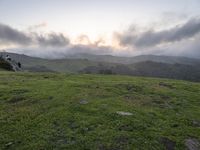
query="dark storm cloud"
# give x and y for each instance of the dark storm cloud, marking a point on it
(152, 38)
(9, 35)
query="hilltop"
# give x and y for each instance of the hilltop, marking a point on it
(103, 112)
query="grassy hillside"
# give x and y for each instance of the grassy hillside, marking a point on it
(65, 111)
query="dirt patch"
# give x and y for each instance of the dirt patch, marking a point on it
(130, 87)
(164, 97)
(161, 104)
(120, 143)
(50, 97)
(102, 147)
(122, 140)
(126, 127)
(169, 144)
(58, 137)
(162, 84)
(16, 99)
(19, 91)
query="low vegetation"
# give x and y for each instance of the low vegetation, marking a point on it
(69, 111)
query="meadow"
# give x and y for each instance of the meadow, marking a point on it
(103, 112)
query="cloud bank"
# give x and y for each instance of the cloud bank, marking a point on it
(52, 40)
(180, 40)
(9, 35)
(151, 38)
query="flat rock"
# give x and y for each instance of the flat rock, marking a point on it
(124, 113)
(9, 144)
(192, 144)
(196, 123)
(83, 102)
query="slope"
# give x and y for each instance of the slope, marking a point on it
(63, 111)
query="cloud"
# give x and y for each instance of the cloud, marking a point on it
(83, 39)
(52, 53)
(10, 35)
(37, 26)
(52, 40)
(179, 40)
(151, 38)
(91, 49)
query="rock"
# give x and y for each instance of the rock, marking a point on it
(196, 123)
(169, 144)
(83, 102)
(124, 113)
(192, 144)
(9, 144)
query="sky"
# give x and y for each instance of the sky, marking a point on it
(117, 27)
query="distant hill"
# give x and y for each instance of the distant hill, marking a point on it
(145, 65)
(150, 69)
(54, 65)
(111, 59)
(136, 59)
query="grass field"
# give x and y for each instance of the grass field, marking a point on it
(89, 112)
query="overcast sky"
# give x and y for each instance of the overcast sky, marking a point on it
(118, 27)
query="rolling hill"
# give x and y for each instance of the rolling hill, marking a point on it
(53, 65)
(136, 59)
(149, 69)
(146, 65)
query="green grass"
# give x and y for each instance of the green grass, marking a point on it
(43, 111)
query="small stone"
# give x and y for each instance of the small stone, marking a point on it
(196, 123)
(124, 113)
(84, 102)
(192, 144)
(9, 144)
